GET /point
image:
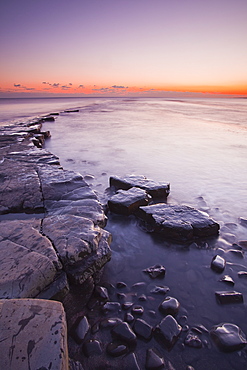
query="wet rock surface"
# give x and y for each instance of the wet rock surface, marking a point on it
(218, 263)
(127, 202)
(168, 331)
(155, 189)
(21, 347)
(228, 337)
(229, 297)
(181, 223)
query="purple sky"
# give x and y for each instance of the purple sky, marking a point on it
(158, 44)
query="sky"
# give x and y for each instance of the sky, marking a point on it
(123, 47)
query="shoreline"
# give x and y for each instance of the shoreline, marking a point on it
(34, 183)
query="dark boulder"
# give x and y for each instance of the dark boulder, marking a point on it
(92, 347)
(170, 306)
(181, 223)
(228, 337)
(124, 333)
(218, 263)
(168, 331)
(154, 360)
(155, 189)
(229, 297)
(142, 329)
(126, 202)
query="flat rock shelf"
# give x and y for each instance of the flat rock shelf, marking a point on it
(51, 238)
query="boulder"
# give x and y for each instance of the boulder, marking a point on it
(168, 331)
(229, 297)
(155, 189)
(154, 360)
(33, 335)
(181, 223)
(170, 306)
(126, 202)
(124, 333)
(142, 329)
(218, 263)
(228, 337)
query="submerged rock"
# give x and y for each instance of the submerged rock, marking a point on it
(228, 337)
(156, 271)
(116, 349)
(228, 280)
(168, 331)
(229, 297)
(160, 289)
(193, 341)
(243, 221)
(242, 274)
(155, 189)
(127, 202)
(180, 223)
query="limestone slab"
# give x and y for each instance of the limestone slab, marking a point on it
(23, 273)
(155, 189)
(175, 222)
(33, 335)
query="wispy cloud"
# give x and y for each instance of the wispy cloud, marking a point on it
(119, 87)
(81, 87)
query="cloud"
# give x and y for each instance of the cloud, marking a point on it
(65, 87)
(103, 89)
(81, 87)
(119, 87)
(17, 85)
(55, 85)
(70, 84)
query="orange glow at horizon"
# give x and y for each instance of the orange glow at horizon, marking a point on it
(84, 90)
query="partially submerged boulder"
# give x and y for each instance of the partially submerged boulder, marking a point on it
(127, 202)
(155, 189)
(33, 335)
(228, 337)
(180, 223)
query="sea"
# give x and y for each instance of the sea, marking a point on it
(197, 145)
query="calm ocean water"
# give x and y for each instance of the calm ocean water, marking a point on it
(200, 147)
